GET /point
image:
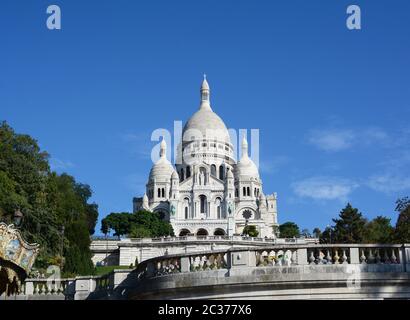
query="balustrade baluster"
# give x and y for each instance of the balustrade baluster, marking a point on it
(311, 257)
(363, 258)
(378, 257)
(344, 257)
(320, 257)
(336, 257)
(279, 258)
(393, 256)
(272, 258)
(328, 257)
(386, 257)
(371, 257)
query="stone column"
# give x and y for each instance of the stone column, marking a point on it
(29, 288)
(302, 256)
(354, 256)
(184, 264)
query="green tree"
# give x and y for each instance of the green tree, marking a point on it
(350, 227)
(289, 230)
(327, 235)
(48, 201)
(138, 225)
(317, 232)
(251, 231)
(379, 230)
(402, 229)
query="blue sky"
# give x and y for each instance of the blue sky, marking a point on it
(332, 105)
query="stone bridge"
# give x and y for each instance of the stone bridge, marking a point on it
(291, 271)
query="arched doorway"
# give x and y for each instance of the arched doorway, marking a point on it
(184, 232)
(219, 232)
(202, 232)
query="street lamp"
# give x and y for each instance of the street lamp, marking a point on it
(17, 217)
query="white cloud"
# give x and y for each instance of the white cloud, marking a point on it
(58, 164)
(324, 188)
(332, 140)
(389, 183)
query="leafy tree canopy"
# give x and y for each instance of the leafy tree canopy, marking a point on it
(251, 231)
(379, 230)
(402, 229)
(289, 230)
(350, 226)
(142, 224)
(49, 202)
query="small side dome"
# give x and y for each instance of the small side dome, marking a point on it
(245, 166)
(162, 169)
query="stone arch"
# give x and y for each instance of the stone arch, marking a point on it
(184, 232)
(219, 232)
(202, 232)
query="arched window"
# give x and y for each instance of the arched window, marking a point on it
(163, 193)
(186, 208)
(244, 191)
(221, 172)
(184, 232)
(255, 192)
(188, 172)
(218, 208)
(219, 232)
(213, 170)
(203, 206)
(159, 193)
(248, 191)
(236, 192)
(202, 232)
(182, 175)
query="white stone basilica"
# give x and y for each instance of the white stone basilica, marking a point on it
(208, 192)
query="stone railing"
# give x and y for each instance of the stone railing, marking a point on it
(395, 255)
(221, 238)
(79, 288)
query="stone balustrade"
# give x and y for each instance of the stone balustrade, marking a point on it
(278, 256)
(285, 271)
(281, 263)
(79, 288)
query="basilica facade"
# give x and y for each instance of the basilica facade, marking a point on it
(208, 192)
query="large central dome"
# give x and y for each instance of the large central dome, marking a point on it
(205, 121)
